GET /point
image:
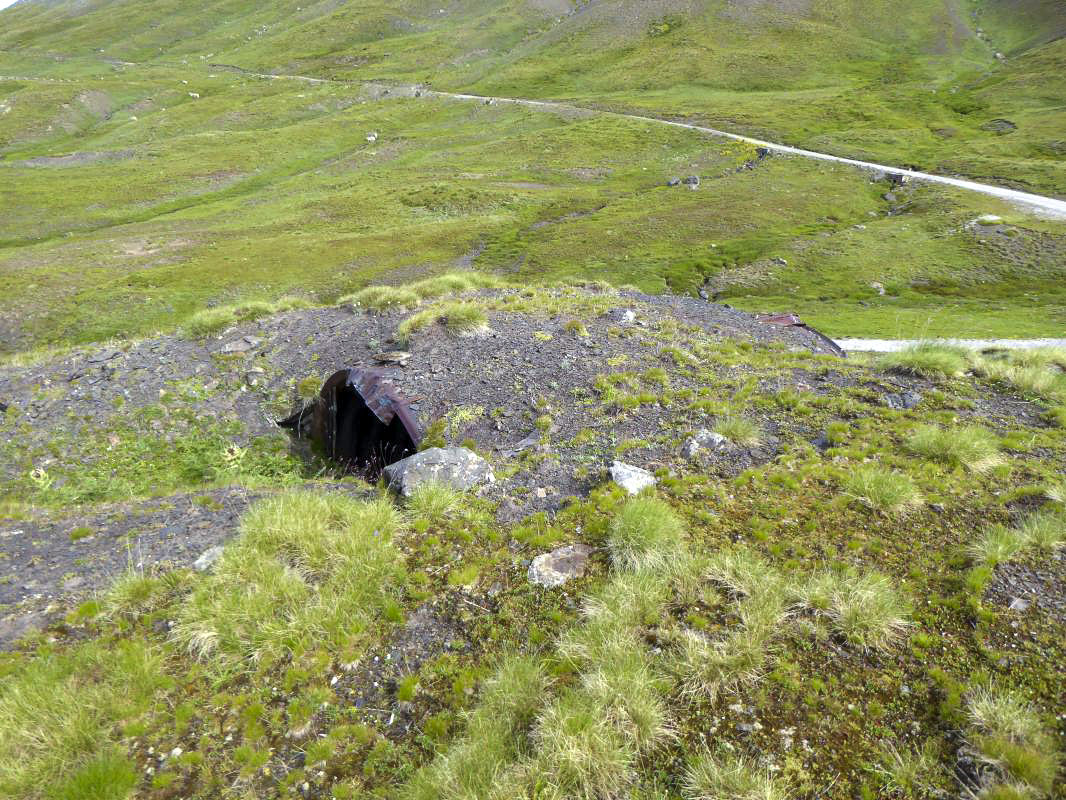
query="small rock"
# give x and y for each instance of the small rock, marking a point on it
(372, 137)
(632, 479)
(989, 219)
(878, 287)
(238, 346)
(890, 197)
(703, 440)
(207, 559)
(674, 182)
(1018, 604)
(560, 565)
(624, 316)
(102, 356)
(693, 181)
(904, 401)
(456, 467)
(779, 261)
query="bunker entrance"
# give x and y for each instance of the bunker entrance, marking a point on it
(360, 420)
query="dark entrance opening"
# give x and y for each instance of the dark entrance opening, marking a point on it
(360, 420)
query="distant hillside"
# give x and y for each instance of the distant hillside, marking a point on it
(906, 81)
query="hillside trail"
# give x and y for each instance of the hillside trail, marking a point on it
(1038, 205)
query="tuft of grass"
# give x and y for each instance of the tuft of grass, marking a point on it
(1056, 416)
(883, 490)
(927, 360)
(739, 430)
(306, 567)
(453, 283)
(908, 773)
(382, 298)
(580, 753)
(56, 715)
(434, 502)
(1008, 734)
(496, 734)
(726, 776)
(210, 321)
(972, 447)
(459, 319)
(1044, 530)
(999, 543)
(630, 694)
(869, 612)
(644, 535)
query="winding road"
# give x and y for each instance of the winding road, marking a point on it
(1047, 207)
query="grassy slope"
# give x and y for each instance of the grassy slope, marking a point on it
(252, 692)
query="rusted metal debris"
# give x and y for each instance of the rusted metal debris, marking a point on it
(361, 420)
(790, 320)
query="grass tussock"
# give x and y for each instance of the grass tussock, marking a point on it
(912, 772)
(883, 490)
(1008, 734)
(869, 612)
(210, 321)
(1044, 530)
(434, 503)
(496, 734)
(645, 534)
(306, 567)
(739, 430)
(931, 360)
(726, 776)
(580, 754)
(56, 714)
(971, 447)
(382, 298)
(459, 319)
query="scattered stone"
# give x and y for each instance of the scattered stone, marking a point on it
(456, 467)
(1018, 604)
(779, 261)
(103, 356)
(632, 479)
(400, 357)
(693, 181)
(674, 182)
(208, 559)
(560, 565)
(1000, 126)
(240, 345)
(624, 316)
(703, 440)
(904, 401)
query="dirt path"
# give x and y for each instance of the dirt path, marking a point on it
(1047, 207)
(895, 345)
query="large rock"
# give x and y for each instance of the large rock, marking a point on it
(560, 565)
(456, 467)
(632, 479)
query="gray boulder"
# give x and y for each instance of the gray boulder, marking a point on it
(632, 479)
(456, 467)
(560, 565)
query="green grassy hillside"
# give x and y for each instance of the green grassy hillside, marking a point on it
(141, 181)
(908, 82)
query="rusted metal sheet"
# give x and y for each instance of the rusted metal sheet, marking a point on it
(790, 320)
(361, 419)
